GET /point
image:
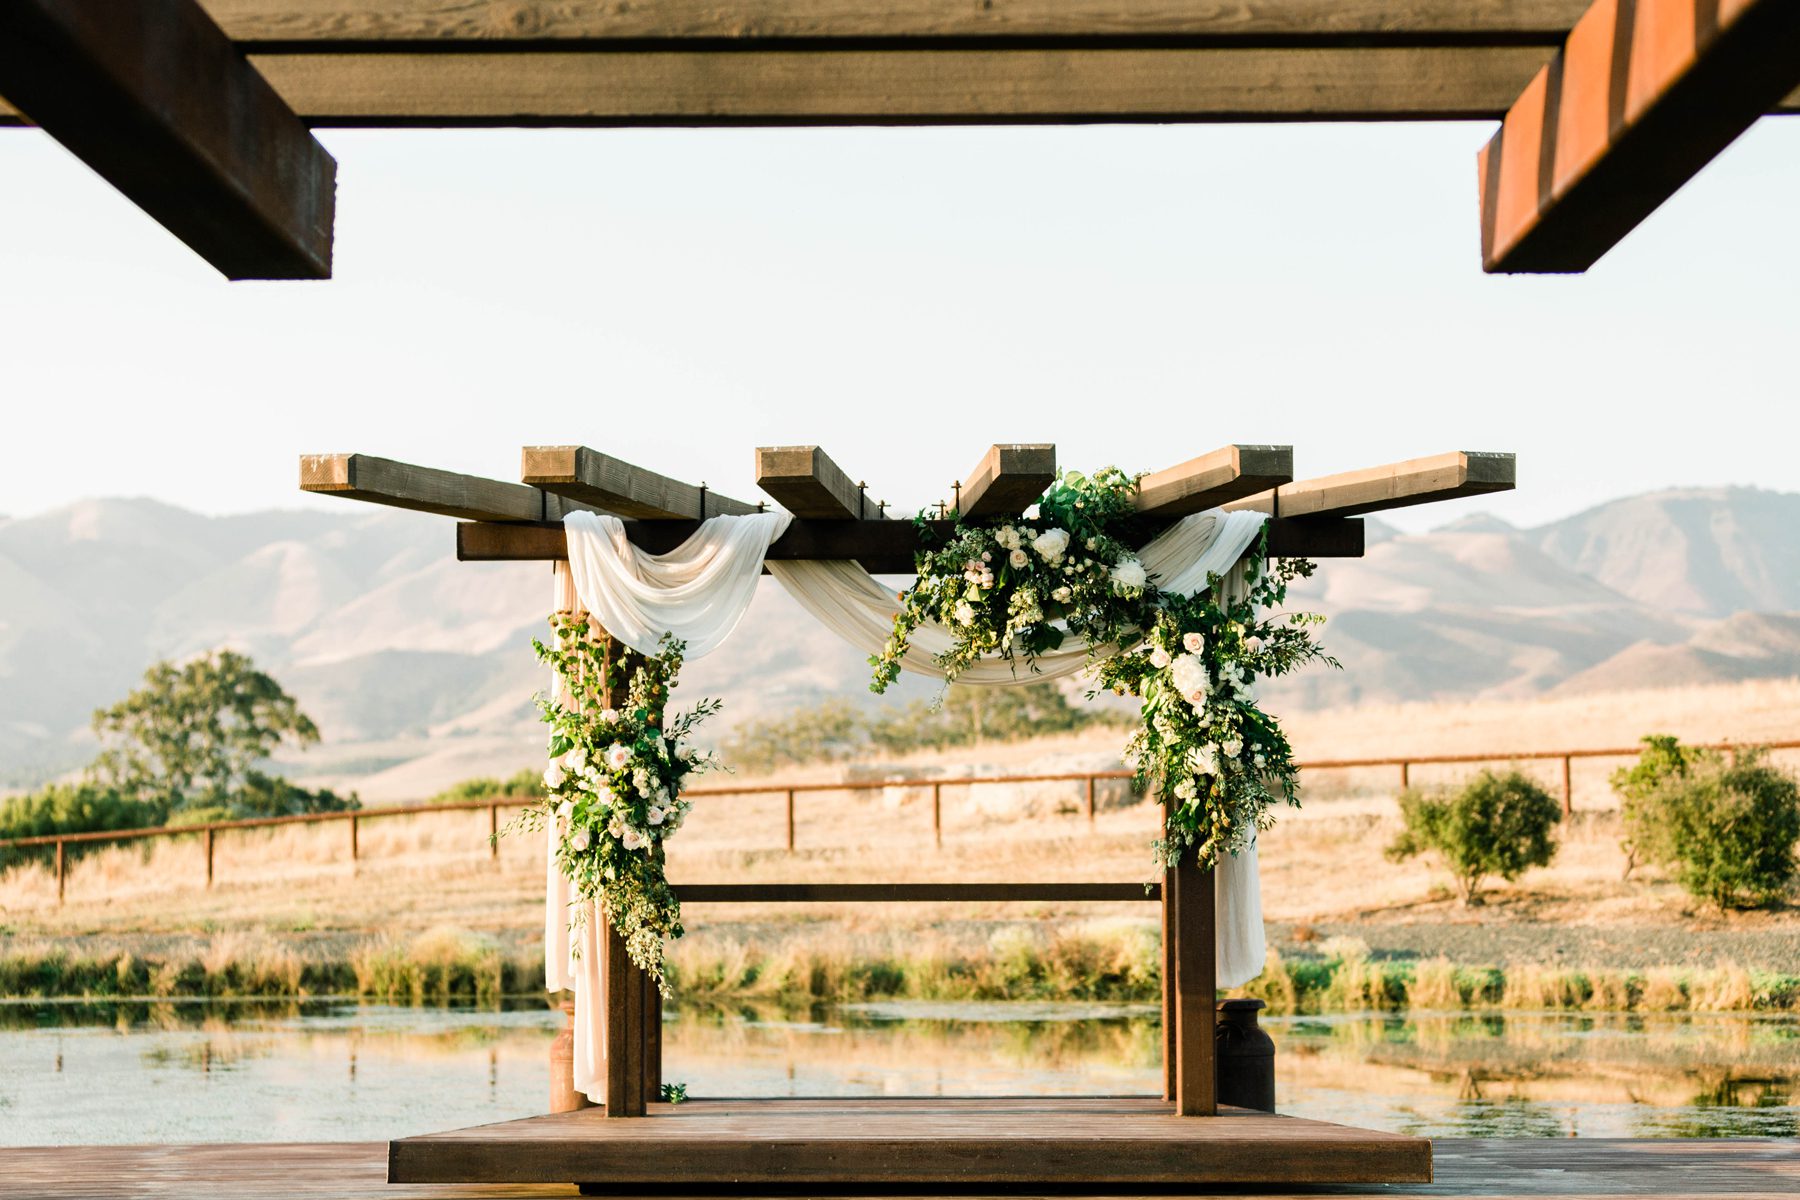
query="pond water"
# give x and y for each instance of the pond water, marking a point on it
(326, 1070)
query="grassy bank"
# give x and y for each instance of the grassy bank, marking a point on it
(1103, 963)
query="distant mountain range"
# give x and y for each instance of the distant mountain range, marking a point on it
(419, 670)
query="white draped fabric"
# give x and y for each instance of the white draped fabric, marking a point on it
(699, 592)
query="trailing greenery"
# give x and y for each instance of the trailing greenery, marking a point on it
(1726, 831)
(1018, 588)
(1496, 824)
(835, 731)
(1662, 760)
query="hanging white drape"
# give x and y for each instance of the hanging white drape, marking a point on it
(699, 592)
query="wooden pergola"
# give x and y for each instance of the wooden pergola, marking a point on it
(199, 110)
(923, 1142)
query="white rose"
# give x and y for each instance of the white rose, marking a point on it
(609, 715)
(1159, 658)
(1204, 760)
(575, 758)
(1050, 544)
(579, 840)
(1062, 595)
(617, 755)
(1129, 574)
(564, 809)
(1189, 674)
(965, 615)
(656, 816)
(1232, 746)
(554, 776)
(632, 839)
(1194, 642)
(1018, 558)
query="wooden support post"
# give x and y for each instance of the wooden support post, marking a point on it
(1090, 800)
(937, 815)
(1568, 789)
(652, 1039)
(623, 983)
(1168, 984)
(62, 871)
(208, 838)
(1196, 991)
(790, 820)
(355, 849)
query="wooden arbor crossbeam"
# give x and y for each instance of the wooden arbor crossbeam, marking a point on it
(1642, 95)
(836, 62)
(156, 99)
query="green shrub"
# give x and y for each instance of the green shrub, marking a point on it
(70, 808)
(525, 782)
(1495, 825)
(1638, 786)
(1729, 831)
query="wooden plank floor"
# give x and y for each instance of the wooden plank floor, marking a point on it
(1115, 1141)
(1596, 1169)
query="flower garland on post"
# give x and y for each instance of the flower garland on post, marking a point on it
(1017, 588)
(615, 779)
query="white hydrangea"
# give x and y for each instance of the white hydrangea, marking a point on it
(1129, 575)
(1051, 544)
(1204, 760)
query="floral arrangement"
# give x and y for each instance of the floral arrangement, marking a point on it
(615, 777)
(1018, 588)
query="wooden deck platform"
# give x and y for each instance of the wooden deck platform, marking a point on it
(1595, 1170)
(927, 1145)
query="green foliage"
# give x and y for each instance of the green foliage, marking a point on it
(525, 782)
(1728, 832)
(834, 731)
(193, 734)
(1497, 824)
(70, 808)
(674, 1093)
(1639, 786)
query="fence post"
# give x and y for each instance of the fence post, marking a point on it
(62, 873)
(494, 831)
(354, 849)
(1568, 789)
(1405, 775)
(790, 819)
(209, 856)
(937, 814)
(1090, 800)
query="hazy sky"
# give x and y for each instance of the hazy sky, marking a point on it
(904, 298)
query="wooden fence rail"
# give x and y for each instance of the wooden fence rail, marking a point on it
(1089, 779)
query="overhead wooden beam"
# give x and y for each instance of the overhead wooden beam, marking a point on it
(1226, 474)
(804, 480)
(1396, 485)
(423, 489)
(1642, 96)
(158, 101)
(883, 547)
(619, 487)
(1008, 479)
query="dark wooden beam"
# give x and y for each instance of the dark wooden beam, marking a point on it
(423, 489)
(619, 487)
(804, 480)
(1642, 96)
(1226, 474)
(1008, 479)
(883, 547)
(1395, 485)
(158, 101)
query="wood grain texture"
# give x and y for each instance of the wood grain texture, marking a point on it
(1543, 22)
(1110, 1141)
(1226, 474)
(1642, 96)
(911, 893)
(882, 547)
(616, 486)
(1596, 1168)
(1395, 485)
(804, 480)
(158, 101)
(423, 489)
(1190, 905)
(1009, 479)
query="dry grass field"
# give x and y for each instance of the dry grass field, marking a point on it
(1323, 865)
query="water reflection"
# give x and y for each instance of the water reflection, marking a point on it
(248, 1071)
